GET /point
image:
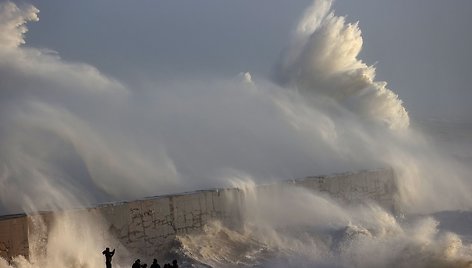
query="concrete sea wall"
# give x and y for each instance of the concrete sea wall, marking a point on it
(147, 227)
(14, 236)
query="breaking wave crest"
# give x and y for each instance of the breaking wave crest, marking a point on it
(322, 59)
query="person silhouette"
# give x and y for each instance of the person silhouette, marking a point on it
(155, 264)
(136, 264)
(174, 264)
(108, 255)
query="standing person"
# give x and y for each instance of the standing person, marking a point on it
(174, 264)
(155, 264)
(136, 264)
(108, 255)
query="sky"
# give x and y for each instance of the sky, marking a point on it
(421, 48)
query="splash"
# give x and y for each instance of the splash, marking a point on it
(323, 59)
(364, 236)
(12, 23)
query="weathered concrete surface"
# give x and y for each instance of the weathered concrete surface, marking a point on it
(13, 236)
(377, 185)
(147, 227)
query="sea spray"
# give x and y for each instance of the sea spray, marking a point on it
(322, 59)
(355, 235)
(72, 136)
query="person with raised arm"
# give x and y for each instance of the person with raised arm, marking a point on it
(108, 255)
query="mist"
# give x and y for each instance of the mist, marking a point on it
(72, 136)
